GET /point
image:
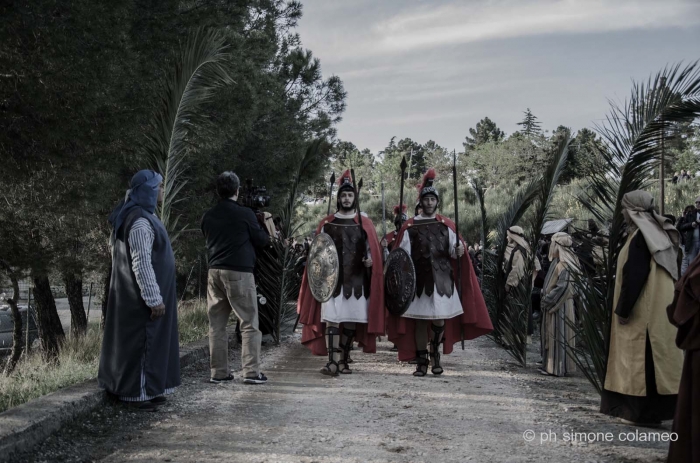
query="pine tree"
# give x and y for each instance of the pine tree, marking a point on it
(486, 131)
(530, 125)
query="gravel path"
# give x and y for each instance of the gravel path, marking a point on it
(477, 411)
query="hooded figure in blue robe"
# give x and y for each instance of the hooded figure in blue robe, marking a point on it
(140, 358)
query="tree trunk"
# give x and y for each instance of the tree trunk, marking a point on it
(105, 293)
(49, 324)
(74, 291)
(17, 343)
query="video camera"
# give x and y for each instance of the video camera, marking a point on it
(254, 197)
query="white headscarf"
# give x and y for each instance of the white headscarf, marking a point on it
(516, 234)
(661, 236)
(560, 248)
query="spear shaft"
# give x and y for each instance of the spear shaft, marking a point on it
(383, 212)
(330, 193)
(403, 171)
(358, 187)
(459, 259)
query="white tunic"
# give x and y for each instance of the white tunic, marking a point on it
(341, 310)
(434, 307)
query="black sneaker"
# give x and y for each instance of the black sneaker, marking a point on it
(259, 379)
(221, 380)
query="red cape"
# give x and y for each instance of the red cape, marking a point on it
(474, 322)
(390, 238)
(309, 309)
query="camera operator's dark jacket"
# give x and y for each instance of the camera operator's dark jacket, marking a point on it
(685, 227)
(232, 232)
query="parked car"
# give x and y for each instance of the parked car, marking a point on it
(7, 325)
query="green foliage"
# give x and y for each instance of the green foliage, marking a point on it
(584, 154)
(33, 377)
(80, 357)
(80, 96)
(415, 156)
(192, 320)
(515, 160)
(684, 148)
(486, 131)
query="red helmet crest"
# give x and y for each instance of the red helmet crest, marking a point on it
(345, 179)
(403, 209)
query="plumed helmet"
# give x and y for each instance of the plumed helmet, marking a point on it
(427, 186)
(345, 184)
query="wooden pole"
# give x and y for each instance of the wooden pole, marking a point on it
(662, 186)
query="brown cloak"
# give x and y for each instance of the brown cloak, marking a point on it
(684, 313)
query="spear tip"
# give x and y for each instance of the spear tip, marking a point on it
(404, 164)
(333, 177)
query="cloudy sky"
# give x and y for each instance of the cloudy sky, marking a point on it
(432, 69)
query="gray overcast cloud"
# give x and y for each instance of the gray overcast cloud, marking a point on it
(432, 69)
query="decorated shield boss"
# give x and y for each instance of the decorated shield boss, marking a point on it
(322, 269)
(399, 282)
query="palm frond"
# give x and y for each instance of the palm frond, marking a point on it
(200, 70)
(510, 312)
(588, 353)
(479, 189)
(632, 132)
(312, 154)
(279, 279)
(494, 279)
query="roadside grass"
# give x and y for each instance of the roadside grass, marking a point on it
(192, 321)
(79, 360)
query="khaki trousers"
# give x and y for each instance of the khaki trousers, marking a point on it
(229, 290)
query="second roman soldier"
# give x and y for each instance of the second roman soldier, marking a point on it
(436, 314)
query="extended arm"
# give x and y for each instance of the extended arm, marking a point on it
(141, 238)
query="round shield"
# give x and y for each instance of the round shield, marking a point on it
(322, 269)
(399, 281)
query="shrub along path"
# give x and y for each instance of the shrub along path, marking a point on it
(477, 411)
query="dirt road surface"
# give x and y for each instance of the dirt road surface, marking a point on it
(484, 408)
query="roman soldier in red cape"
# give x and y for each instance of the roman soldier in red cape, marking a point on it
(356, 308)
(436, 314)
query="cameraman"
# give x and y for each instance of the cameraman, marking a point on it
(232, 232)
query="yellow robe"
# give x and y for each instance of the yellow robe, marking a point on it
(625, 373)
